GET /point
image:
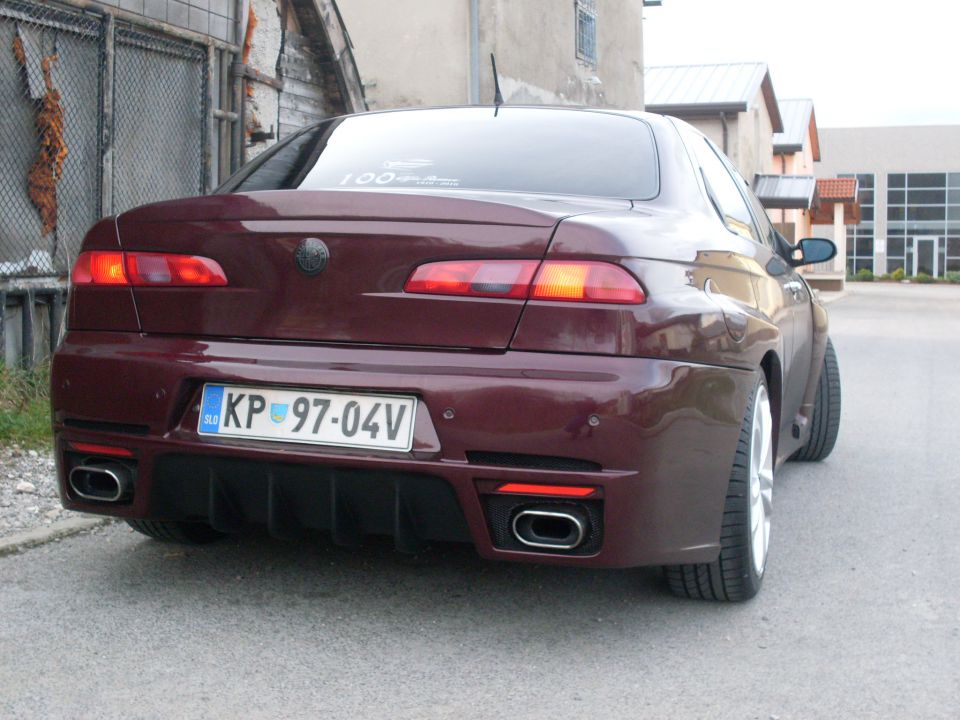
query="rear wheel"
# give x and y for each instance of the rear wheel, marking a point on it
(825, 424)
(745, 533)
(178, 532)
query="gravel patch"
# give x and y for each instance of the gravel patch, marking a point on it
(28, 490)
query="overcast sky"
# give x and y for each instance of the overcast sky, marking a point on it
(863, 62)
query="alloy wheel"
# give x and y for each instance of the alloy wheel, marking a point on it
(761, 478)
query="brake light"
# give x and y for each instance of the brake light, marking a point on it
(145, 269)
(577, 281)
(555, 490)
(477, 278)
(586, 282)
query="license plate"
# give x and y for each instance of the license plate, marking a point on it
(380, 422)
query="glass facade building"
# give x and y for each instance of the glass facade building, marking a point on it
(909, 179)
(923, 223)
(860, 245)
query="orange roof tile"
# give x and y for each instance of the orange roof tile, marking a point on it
(837, 189)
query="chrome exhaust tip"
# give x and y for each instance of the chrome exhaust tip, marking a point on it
(107, 482)
(553, 528)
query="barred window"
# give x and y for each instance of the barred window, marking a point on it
(587, 31)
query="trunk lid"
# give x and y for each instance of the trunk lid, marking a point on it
(375, 240)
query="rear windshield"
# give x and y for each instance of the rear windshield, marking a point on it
(527, 150)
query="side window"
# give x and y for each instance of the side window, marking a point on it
(766, 227)
(724, 192)
(759, 214)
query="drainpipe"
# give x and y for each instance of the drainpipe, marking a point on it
(723, 122)
(239, 101)
(474, 52)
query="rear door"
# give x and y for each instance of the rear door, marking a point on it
(775, 282)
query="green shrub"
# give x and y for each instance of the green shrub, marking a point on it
(864, 275)
(25, 406)
(885, 276)
(898, 274)
(953, 277)
(923, 278)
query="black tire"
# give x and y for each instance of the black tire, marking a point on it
(186, 533)
(732, 577)
(825, 424)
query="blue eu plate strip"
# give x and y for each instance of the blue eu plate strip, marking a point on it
(211, 409)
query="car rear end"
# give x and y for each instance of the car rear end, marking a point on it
(432, 366)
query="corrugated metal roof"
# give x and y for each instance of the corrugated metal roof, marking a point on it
(797, 117)
(726, 84)
(785, 191)
(725, 87)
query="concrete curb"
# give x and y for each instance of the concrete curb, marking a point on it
(42, 535)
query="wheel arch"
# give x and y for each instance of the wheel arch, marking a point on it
(773, 372)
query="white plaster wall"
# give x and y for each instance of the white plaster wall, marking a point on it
(263, 109)
(410, 53)
(417, 52)
(754, 152)
(535, 44)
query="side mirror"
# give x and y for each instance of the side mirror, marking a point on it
(812, 250)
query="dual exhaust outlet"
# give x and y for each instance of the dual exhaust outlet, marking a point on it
(560, 527)
(546, 527)
(102, 482)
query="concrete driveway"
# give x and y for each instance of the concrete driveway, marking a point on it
(858, 616)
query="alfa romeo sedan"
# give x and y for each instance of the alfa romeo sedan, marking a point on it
(564, 336)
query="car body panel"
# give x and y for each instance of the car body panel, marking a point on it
(663, 425)
(641, 402)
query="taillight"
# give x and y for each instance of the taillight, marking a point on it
(478, 278)
(145, 269)
(586, 282)
(576, 281)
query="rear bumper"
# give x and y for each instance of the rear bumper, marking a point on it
(659, 456)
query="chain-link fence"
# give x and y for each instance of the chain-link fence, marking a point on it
(159, 119)
(97, 117)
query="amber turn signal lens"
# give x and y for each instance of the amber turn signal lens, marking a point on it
(586, 282)
(99, 268)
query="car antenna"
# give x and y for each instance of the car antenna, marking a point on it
(497, 95)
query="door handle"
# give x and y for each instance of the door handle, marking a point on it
(795, 287)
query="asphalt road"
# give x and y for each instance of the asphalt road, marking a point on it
(858, 617)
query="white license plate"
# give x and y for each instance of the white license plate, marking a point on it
(381, 422)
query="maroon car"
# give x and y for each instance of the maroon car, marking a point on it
(566, 336)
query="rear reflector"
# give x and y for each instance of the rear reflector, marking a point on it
(476, 278)
(554, 490)
(567, 281)
(94, 449)
(145, 269)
